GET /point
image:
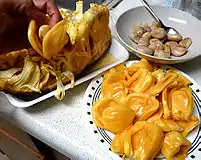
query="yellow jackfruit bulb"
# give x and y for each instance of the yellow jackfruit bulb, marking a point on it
(111, 115)
(143, 63)
(143, 83)
(189, 125)
(147, 140)
(175, 146)
(55, 39)
(181, 103)
(157, 115)
(158, 75)
(160, 86)
(168, 125)
(142, 141)
(113, 84)
(143, 105)
(181, 78)
(117, 145)
(33, 37)
(42, 31)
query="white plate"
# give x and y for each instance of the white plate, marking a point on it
(116, 50)
(104, 138)
(186, 24)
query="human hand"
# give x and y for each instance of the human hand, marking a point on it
(14, 19)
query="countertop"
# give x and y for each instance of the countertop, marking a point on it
(61, 124)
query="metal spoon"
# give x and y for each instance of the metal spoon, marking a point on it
(170, 31)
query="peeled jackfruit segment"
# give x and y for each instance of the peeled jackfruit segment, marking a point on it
(141, 141)
(131, 81)
(157, 115)
(181, 102)
(177, 101)
(160, 86)
(143, 63)
(113, 84)
(118, 68)
(158, 75)
(116, 91)
(114, 75)
(168, 125)
(182, 80)
(175, 146)
(42, 31)
(111, 115)
(189, 125)
(33, 37)
(117, 145)
(54, 40)
(147, 140)
(143, 105)
(165, 100)
(142, 81)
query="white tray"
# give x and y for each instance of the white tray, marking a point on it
(116, 50)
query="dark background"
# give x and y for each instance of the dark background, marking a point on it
(70, 4)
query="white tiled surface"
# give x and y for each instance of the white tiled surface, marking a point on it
(61, 124)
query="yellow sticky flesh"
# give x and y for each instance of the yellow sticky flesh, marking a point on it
(33, 37)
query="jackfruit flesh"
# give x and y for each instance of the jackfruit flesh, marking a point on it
(64, 51)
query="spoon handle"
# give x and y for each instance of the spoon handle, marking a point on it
(146, 5)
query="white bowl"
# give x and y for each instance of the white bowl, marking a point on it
(184, 23)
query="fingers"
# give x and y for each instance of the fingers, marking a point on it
(50, 8)
(53, 12)
(32, 52)
(38, 16)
